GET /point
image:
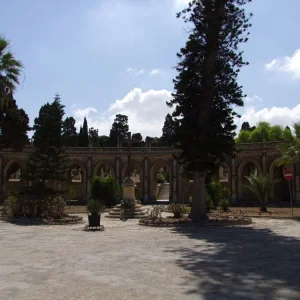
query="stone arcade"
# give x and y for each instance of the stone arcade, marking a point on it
(146, 162)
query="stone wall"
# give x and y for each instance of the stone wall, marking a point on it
(148, 160)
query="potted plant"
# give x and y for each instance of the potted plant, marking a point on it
(95, 208)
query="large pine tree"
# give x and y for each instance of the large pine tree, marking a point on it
(48, 160)
(206, 88)
(119, 129)
(69, 134)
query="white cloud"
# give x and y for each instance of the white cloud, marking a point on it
(288, 64)
(155, 72)
(146, 112)
(180, 4)
(284, 116)
(134, 71)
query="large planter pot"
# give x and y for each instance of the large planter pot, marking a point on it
(94, 220)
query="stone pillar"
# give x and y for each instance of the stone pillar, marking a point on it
(233, 181)
(146, 180)
(89, 176)
(264, 163)
(118, 170)
(174, 183)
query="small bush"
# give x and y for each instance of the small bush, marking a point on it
(224, 204)
(178, 209)
(95, 207)
(48, 208)
(160, 178)
(155, 214)
(209, 203)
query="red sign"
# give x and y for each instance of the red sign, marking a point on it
(288, 175)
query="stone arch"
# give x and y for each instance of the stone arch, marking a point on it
(280, 191)
(153, 183)
(14, 184)
(104, 163)
(244, 194)
(78, 186)
(139, 179)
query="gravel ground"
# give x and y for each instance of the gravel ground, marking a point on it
(128, 262)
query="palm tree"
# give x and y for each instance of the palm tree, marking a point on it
(260, 185)
(290, 148)
(10, 70)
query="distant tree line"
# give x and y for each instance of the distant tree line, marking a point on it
(263, 132)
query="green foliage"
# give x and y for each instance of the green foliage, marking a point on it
(94, 139)
(95, 207)
(48, 160)
(168, 131)
(48, 208)
(260, 186)
(105, 189)
(155, 214)
(160, 178)
(71, 192)
(290, 148)
(209, 203)
(264, 132)
(224, 204)
(10, 70)
(217, 195)
(206, 87)
(137, 140)
(69, 134)
(119, 129)
(177, 209)
(14, 127)
(83, 136)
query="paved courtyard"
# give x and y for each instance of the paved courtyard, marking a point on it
(129, 262)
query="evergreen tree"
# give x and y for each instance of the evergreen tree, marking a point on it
(94, 139)
(69, 134)
(15, 124)
(206, 88)
(168, 131)
(85, 132)
(48, 160)
(137, 140)
(80, 137)
(119, 129)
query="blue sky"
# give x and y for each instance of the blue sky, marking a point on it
(116, 56)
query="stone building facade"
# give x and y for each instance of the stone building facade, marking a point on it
(146, 163)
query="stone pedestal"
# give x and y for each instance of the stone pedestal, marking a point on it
(129, 209)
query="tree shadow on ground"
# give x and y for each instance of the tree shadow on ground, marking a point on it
(240, 263)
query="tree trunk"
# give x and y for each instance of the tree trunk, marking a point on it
(263, 207)
(198, 210)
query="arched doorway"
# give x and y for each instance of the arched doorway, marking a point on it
(13, 177)
(136, 173)
(104, 169)
(246, 168)
(161, 181)
(76, 182)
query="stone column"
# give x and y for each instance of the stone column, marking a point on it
(174, 183)
(264, 163)
(118, 170)
(89, 176)
(146, 179)
(233, 181)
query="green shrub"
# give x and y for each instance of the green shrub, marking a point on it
(209, 203)
(160, 178)
(48, 207)
(224, 204)
(178, 209)
(105, 189)
(155, 214)
(95, 207)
